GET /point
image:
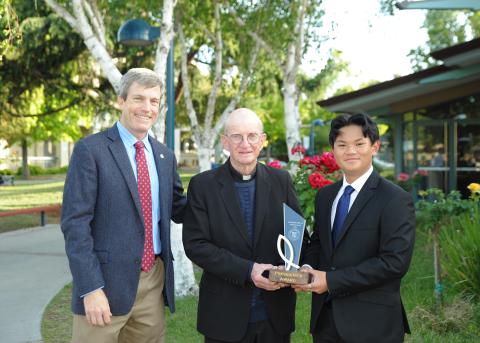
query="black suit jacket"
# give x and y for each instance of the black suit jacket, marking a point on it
(371, 256)
(215, 238)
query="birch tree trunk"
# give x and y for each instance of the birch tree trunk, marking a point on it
(185, 283)
(292, 117)
(204, 154)
(205, 137)
(289, 66)
(86, 20)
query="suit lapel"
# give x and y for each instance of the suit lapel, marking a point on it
(367, 191)
(326, 213)
(230, 200)
(263, 189)
(119, 153)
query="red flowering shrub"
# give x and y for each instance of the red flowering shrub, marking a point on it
(408, 182)
(275, 164)
(298, 149)
(317, 180)
(313, 173)
(403, 177)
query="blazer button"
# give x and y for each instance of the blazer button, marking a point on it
(333, 269)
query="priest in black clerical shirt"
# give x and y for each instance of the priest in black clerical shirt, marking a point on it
(234, 217)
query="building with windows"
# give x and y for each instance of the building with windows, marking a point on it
(432, 117)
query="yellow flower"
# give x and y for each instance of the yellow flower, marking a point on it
(423, 194)
(474, 187)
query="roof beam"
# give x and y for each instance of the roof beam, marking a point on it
(439, 5)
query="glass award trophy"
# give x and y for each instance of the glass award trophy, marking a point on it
(293, 229)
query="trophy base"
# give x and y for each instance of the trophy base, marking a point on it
(290, 277)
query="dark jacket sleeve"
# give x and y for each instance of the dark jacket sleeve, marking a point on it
(198, 243)
(179, 200)
(79, 199)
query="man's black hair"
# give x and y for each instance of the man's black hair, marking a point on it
(369, 127)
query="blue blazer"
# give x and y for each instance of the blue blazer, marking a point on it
(102, 220)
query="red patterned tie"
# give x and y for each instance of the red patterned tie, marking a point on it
(144, 191)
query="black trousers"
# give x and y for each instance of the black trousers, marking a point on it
(326, 331)
(260, 332)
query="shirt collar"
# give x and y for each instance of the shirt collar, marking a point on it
(129, 139)
(358, 183)
(239, 177)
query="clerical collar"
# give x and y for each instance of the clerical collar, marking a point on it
(239, 177)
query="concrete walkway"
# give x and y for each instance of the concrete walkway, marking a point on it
(33, 268)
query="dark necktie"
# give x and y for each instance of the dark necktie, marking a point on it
(341, 213)
(144, 192)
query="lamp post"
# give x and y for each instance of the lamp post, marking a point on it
(311, 147)
(137, 32)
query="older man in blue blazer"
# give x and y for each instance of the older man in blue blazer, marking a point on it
(121, 191)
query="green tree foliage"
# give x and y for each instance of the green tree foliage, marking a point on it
(445, 28)
(44, 77)
(49, 89)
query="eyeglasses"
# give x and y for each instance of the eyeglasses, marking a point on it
(252, 138)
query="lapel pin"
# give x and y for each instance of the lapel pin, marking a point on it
(161, 155)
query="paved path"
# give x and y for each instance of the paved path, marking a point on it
(33, 268)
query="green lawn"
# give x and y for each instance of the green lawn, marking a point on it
(417, 294)
(460, 322)
(26, 194)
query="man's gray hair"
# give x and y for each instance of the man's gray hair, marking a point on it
(143, 76)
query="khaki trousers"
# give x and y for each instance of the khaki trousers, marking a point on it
(145, 323)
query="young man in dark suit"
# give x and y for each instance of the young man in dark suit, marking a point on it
(233, 219)
(361, 246)
(121, 191)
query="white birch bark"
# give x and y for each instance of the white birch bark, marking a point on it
(163, 48)
(79, 21)
(289, 68)
(205, 139)
(204, 154)
(185, 283)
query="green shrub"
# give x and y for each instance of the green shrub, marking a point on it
(58, 170)
(461, 251)
(37, 170)
(34, 170)
(7, 172)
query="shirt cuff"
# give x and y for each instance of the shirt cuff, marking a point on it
(84, 295)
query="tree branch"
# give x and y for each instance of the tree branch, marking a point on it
(192, 115)
(161, 57)
(256, 37)
(95, 21)
(204, 29)
(97, 49)
(300, 34)
(179, 87)
(47, 113)
(63, 13)
(243, 86)
(218, 72)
